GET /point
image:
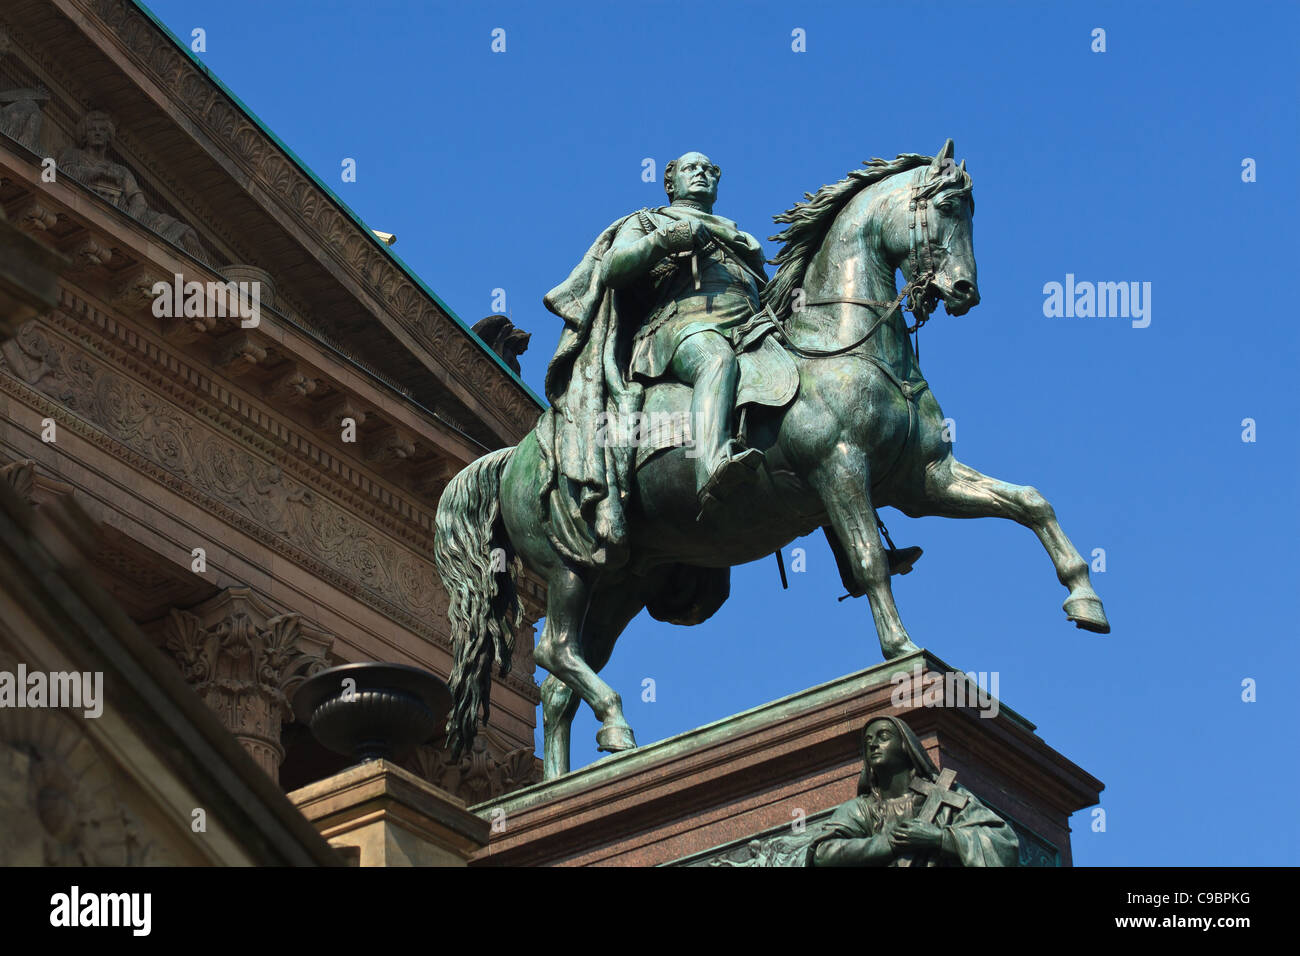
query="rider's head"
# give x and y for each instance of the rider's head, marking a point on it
(692, 176)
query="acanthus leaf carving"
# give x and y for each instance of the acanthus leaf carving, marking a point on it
(491, 768)
(244, 661)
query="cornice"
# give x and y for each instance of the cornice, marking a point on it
(276, 179)
(89, 397)
(243, 419)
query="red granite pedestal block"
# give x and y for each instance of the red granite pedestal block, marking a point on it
(703, 797)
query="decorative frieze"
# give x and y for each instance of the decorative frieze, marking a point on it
(242, 488)
(295, 194)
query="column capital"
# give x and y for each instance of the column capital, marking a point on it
(246, 659)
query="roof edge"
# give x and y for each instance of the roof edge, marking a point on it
(344, 207)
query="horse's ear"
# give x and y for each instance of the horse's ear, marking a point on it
(937, 166)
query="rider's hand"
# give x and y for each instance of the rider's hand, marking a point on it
(700, 234)
(680, 236)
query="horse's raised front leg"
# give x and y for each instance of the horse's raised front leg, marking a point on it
(955, 490)
(842, 484)
(560, 651)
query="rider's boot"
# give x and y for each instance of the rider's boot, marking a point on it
(723, 464)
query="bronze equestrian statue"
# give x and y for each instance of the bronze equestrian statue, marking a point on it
(833, 420)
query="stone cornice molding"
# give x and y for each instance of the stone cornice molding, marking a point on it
(154, 436)
(264, 496)
(245, 421)
(89, 397)
(276, 181)
(99, 298)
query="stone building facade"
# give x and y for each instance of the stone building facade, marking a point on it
(259, 496)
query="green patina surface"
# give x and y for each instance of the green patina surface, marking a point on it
(659, 315)
(719, 731)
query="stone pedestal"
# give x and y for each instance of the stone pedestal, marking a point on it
(378, 814)
(713, 795)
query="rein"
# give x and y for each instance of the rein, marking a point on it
(914, 294)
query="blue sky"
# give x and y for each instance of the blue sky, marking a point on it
(496, 170)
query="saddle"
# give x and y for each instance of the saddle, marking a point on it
(768, 376)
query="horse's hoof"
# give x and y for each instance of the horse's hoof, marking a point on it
(1087, 614)
(902, 559)
(615, 737)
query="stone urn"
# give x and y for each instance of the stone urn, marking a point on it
(373, 711)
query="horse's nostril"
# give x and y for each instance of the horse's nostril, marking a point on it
(965, 289)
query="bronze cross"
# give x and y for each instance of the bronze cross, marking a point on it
(936, 795)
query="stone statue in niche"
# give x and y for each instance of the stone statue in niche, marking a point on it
(88, 163)
(20, 109)
(908, 813)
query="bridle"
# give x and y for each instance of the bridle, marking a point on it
(918, 296)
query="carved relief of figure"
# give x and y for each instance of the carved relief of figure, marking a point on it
(907, 813)
(88, 163)
(20, 109)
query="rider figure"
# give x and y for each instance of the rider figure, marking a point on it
(697, 289)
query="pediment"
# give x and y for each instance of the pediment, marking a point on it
(221, 191)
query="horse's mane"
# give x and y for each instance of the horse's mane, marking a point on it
(809, 221)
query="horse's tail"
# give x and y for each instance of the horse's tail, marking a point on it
(479, 570)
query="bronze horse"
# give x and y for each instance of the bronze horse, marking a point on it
(863, 431)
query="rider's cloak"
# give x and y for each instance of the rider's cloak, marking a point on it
(588, 474)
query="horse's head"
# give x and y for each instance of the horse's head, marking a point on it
(911, 213)
(936, 240)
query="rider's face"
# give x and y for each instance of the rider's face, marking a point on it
(695, 177)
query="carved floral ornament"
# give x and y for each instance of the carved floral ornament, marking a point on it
(318, 526)
(490, 769)
(245, 661)
(271, 503)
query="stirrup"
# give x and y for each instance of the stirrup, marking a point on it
(735, 468)
(732, 471)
